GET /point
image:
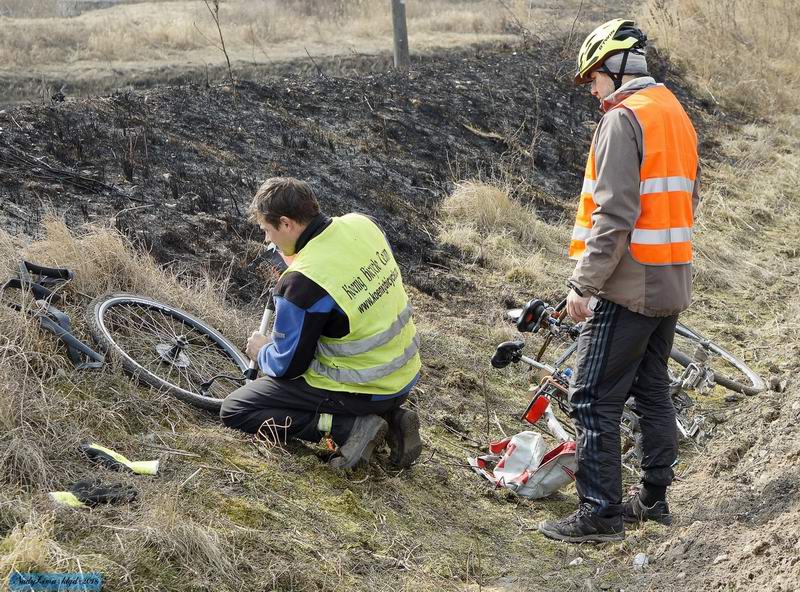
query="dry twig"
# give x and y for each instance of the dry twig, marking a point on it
(213, 9)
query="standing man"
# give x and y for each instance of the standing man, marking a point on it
(343, 355)
(633, 244)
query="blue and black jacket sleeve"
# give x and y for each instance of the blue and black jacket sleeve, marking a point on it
(304, 312)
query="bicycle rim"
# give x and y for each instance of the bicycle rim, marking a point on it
(728, 370)
(166, 348)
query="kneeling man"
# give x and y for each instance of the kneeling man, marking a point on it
(343, 354)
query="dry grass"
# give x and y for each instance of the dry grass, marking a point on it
(746, 197)
(44, 401)
(489, 211)
(495, 231)
(742, 54)
(32, 546)
(151, 31)
(747, 264)
(47, 408)
(255, 29)
(37, 8)
(104, 261)
(176, 537)
(54, 8)
(27, 548)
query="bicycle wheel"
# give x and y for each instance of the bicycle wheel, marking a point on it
(726, 369)
(165, 347)
(630, 440)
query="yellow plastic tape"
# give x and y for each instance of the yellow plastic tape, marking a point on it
(66, 498)
(140, 467)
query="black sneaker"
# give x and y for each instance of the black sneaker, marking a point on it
(367, 433)
(403, 438)
(584, 526)
(634, 512)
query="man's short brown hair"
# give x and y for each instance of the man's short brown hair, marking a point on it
(284, 196)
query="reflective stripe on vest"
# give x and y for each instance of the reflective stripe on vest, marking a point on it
(580, 233)
(351, 348)
(662, 234)
(583, 217)
(659, 237)
(666, 184)
(353, 263)
(343, 375)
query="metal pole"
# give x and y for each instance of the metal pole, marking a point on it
(401, 57)
(279, 265)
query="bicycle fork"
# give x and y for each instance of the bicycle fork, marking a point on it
(555, 426)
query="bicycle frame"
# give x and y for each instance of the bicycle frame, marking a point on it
(537, 315)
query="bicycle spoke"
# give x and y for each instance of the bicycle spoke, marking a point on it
(142, 323)
(158, 322)
(196, 352)
(146, 323)
(208, 366)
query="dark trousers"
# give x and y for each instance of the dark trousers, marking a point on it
(621, 354)
(283, 409)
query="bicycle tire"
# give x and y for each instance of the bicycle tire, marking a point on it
(98, 319)
(754, 384)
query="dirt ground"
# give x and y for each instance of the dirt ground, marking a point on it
(190, 157)
(384, 143)
(174, 168)
(85, 78)
(53, 49)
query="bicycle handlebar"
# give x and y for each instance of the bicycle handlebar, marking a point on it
(539, 365)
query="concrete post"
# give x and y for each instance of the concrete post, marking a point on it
(401, 57)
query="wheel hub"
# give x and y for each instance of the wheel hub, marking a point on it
(173, 353)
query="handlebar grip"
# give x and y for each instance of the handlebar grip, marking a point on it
(507, 352)
(499, 360)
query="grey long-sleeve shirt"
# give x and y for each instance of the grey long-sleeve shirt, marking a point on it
(606, 267)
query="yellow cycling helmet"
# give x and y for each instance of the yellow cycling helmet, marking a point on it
(616, 36)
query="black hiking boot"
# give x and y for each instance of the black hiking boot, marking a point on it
(367, 433)
(584, 526)
(634, 511)
(403, 438)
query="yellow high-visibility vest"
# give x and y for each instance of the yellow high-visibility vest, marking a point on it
(352, 262)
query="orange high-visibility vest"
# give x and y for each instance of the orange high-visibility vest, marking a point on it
(662, 234)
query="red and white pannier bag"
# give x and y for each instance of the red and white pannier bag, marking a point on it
(523, 464)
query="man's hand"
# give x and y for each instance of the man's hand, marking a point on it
(578, 306)
(254, 345)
